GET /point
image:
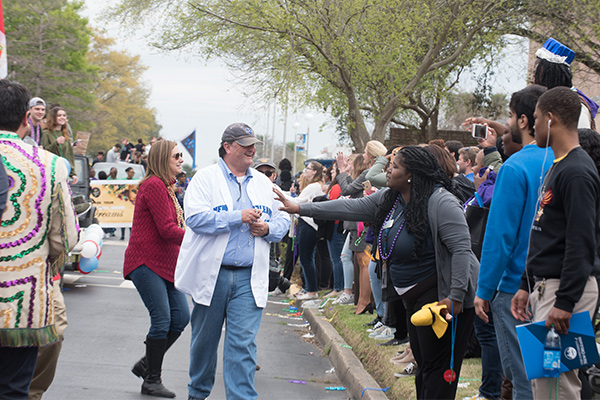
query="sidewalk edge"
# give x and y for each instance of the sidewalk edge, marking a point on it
(347, 365)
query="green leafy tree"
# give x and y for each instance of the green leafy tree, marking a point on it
(47, 44)
(359, 59)
(121, 108)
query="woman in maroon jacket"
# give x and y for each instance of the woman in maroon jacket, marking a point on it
(150, 259)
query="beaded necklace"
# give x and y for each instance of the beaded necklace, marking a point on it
(178, 210)
(391, 249)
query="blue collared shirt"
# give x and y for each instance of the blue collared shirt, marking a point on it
(240, 247)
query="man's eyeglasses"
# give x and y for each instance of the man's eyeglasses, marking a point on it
(177, 155)
(267, 173)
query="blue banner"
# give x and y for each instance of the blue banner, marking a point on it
(190, 145)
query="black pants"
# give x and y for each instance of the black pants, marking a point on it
(17, 365)
(399, 318)
(323, 265)
(433, 354)
(290, 257)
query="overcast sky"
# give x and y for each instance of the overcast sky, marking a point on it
(191, 94)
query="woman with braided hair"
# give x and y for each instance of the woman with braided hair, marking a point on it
(424, 239)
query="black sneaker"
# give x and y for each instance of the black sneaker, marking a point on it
(374, 322)
(395, 342)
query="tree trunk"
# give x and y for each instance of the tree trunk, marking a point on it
(356, 123)
(432, 126)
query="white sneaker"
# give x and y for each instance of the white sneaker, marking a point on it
(408, 371)
(377, 331)
(386, 334)
(276, 292)
(344, 299)
(306, 296)
(377, 326)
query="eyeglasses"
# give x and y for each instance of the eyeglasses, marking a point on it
(267, 173)
(177, 156)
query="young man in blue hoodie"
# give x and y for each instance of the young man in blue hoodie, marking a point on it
(506, 240)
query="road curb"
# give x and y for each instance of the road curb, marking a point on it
(347, 366)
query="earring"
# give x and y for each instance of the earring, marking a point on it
(409, 180)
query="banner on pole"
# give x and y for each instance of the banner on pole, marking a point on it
(189, 143)
(301, 142)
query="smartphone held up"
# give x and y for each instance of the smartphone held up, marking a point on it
(479, 131)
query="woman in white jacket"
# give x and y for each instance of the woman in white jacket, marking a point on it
(311, 187)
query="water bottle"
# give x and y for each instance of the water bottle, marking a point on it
(552, 352)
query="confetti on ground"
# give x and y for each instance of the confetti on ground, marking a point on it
(464, 385)
(308, 336)
(376, 389)
(299, 382)
(333, 316)
(291, 316)
(300, 325)
(346, 346)
(324, 303)
(335, 388)
(330, 371)
(277, 302)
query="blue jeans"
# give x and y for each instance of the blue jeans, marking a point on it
(347, 258)
(335, 251)
(167, 306)
(234, 303)
(307, 247)
(491, 366)
(376, 288)
(508, 345)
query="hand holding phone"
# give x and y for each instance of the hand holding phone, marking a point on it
(479, 131)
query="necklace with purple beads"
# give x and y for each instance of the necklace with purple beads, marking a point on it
(381, 251)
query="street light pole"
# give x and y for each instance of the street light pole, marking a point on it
(296, 127)
(308, 117)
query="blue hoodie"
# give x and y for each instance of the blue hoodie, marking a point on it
(509, 222)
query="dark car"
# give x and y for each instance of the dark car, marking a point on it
(82, 169)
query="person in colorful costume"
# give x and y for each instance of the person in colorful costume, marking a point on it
(37, 231)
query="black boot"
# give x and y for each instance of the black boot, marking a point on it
(141, 367)
(155, 352)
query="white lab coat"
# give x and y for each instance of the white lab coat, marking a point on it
(200, 256)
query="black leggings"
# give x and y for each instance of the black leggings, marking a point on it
(433, 354)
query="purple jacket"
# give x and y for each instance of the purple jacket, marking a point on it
(485, 190)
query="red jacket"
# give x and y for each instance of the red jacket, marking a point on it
(155, 236)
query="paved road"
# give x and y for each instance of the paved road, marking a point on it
(107, 326)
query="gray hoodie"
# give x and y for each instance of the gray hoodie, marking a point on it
(457, 267)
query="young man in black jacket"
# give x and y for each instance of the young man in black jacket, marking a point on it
(562, 261)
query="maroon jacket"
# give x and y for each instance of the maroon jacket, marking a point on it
(155, 235)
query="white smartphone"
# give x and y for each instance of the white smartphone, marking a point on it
(479, 131)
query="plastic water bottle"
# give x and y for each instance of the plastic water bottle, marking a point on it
(552, 350)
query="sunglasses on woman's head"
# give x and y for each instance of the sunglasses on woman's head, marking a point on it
(177, 155)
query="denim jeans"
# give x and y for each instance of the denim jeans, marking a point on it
(16, 371)
(376, 288)
(232, 303)
(335, 251)
(491, 366)
(508, 345)
(307, 247)
(348, 263)
(167, 306)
